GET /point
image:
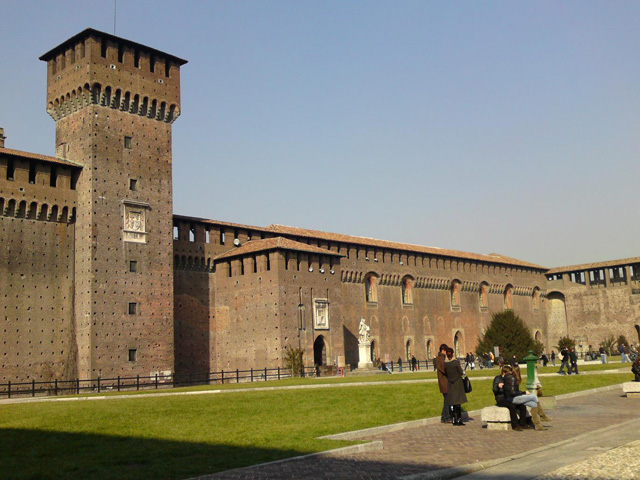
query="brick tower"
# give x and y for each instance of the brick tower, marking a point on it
(114, 102)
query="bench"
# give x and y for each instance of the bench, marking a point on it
(632, 389)
(496, 418)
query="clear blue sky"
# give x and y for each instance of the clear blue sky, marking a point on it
(508, 127)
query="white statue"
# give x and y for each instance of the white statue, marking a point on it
(363, 330)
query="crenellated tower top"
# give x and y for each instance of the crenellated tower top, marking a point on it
(97, 68)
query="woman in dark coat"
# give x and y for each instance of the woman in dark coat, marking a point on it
(455, 388)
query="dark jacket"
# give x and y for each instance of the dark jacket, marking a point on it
(498, 391)
(455, 388)
(442, 374)
(573, 356)
(511, 388)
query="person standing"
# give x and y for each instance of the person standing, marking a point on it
(603, 354)
(445, 416)
(553, 358)
(455, 387)
(565, 361)
(573, 358)
(414, 363)
(623, 353)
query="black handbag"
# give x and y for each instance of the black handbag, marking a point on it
(467, 385)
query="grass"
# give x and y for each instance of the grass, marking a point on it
(182, 436)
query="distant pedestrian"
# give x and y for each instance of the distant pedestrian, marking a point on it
(435, 366)
(623, 353)
(414, 364)
(553, 358)
(603, 354)
(573, 358)
(399, 364)
(544, 359)
(565, 361)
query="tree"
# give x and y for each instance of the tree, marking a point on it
(608, 344)
(566, 342)
(509, 332)
(622, 340)
(293, 361)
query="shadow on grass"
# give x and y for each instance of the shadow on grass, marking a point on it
(37, 454)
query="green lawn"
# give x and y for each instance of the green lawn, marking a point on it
(181, 436)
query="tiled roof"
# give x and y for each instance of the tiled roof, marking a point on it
(594, 266)
(36, 156)
(276, 243)
(336, 237)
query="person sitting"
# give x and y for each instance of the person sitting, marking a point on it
(635, 368)
(515, 396)
(515, 411)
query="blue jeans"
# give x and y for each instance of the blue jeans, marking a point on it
(528, 400)
(603, 358)
(446, 414)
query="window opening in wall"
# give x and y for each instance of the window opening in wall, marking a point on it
(242, 266)
(128, 142)
(207, 236)
(167, 69)
(133, 266)
(235, 234)
(268, 262)
(103, 48)
(221, 237)
(192, 233)
(371, 288)
(255, 264)
(136, 58)
(133, 308)
(176, 233)
(74, 179)
(133, 184)
(152, 64)
(10, 169)
(120, 52)
(53, 179)
(32, 172)
(286, 260)
(133, 354)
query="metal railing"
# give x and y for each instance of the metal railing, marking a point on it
(153, 382)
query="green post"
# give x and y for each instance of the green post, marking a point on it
(531, 360)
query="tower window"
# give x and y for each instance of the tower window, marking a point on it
(133, 184)
(103, 48)
(120, 53)
(128, 143)
(32, 172)
(133, 266)
(133, 308)
(167, 69)
(53, 178)
(136, 59)
(11, 168)
(133, 354)
(152, 64)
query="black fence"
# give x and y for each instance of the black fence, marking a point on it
(152, 382)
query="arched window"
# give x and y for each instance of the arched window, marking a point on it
(429, 349)
(483, 295)
(409, 350)
(455, 294)
(374, 353)
(407, 291)
(508, 297)
(535, 298)
(371, 287)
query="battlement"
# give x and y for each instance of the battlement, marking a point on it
(96, 68)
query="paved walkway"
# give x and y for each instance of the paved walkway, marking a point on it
(593, 423)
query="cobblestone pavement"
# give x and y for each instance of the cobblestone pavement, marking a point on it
(621, 463)
(439, 446)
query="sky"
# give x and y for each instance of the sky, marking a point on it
(489, 127)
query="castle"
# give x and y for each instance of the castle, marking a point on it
(98, 277)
